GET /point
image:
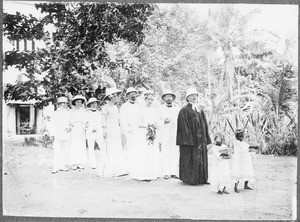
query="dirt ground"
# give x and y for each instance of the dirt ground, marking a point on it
(29, 189)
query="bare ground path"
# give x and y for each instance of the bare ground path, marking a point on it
(29, 189)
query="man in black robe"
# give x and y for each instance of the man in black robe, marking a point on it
(192, 138)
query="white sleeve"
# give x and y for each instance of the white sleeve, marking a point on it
(52, 124)
(160, 121)
(123, 119)
(104, 115)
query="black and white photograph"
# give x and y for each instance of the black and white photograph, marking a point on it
(148, 110)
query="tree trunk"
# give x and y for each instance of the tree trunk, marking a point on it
(209, 75)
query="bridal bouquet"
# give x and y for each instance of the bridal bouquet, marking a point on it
(151, 134)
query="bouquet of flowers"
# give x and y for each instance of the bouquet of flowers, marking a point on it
(151, 134)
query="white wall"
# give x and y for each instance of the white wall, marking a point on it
(9, 119)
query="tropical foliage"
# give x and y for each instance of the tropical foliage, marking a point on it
(243, 80)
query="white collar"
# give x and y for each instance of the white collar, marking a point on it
(194, 107)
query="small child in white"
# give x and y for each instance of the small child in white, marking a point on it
(220, 173)
(60, 130)
(93, 129)
(242, 167)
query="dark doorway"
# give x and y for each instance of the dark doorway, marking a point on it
(24, 123)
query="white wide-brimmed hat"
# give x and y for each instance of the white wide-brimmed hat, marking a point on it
(130, 89)
(168, 92)
(91, 100)
(78, 97)
(190, 91)
(62, 100)
(110, 91)
(141, 89)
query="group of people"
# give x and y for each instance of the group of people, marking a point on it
(160, 141)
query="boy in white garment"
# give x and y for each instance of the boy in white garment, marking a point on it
(60, 123)
(167, 134)
(93, 129)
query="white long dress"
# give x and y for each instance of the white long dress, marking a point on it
(77, 152)
(129, 113)
(167, 137)
(146, 156)
(113, 163)
(220, 173)
(242, 167)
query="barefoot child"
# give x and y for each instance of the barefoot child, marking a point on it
(61, 128)
(242, 169)
(220, 174)
(93, 129)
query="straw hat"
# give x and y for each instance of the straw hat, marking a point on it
(110, 91)
(141, 89)
(91, 100)
(168, 92)
(130, 89)
(190, 91)
(62, 100)
(78, 97)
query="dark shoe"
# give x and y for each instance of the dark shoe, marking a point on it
(80, 167)
(174, 176)
(225, 191)
(236, 190)
(208, 183)
(248, 188)
(219, 192)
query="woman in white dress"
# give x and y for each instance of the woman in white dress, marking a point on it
(112, 162)
(147, 152)
(77, 154)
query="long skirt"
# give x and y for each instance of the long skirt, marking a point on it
(112, 157)
(145, 158)
(77, 150)
(193, 165)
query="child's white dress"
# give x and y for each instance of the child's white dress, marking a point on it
(220, 173)
(242, 167)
